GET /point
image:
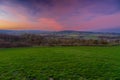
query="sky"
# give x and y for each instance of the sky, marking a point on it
(57, 15)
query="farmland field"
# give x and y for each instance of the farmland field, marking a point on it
(60, 63)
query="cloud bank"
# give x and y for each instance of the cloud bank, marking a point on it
(59, 14)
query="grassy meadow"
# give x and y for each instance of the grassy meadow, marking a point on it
(60, 63)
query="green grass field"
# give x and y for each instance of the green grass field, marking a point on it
(60, 63)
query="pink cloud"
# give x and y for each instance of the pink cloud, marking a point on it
(19, 19)
(48, 24)
(17, 13)
(101, 22)
(42, 24)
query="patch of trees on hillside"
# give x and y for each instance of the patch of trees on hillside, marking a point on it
(27, 40)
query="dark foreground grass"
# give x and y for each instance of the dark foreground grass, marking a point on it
(60, 63)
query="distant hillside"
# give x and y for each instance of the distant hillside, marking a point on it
(18, 32)
(64, 32)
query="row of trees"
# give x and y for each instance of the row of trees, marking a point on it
(26, 40)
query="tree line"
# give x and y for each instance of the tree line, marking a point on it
(28, 40)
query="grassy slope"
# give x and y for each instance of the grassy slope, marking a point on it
(61, 63)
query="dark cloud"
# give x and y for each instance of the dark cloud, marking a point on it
(36, 7)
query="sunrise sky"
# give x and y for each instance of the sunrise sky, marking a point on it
(82, 15)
